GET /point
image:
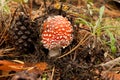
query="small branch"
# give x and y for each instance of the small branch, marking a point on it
(7, 75)
(86, 37)
(7, 50)
(53, 71)
(110, 63)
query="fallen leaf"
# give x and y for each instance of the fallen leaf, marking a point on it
(107, 75)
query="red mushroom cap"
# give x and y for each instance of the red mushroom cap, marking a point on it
(57, 32)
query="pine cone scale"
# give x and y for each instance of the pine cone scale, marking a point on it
(23, 34)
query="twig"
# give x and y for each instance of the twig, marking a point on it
(80, 43)
(110, 63)
(5, 37)
(31, 2)
(7, 50)
(3, 34)
(2, 51)
(6, 75)
(53, 71)
(45, 4)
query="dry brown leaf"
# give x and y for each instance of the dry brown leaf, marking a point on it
(107, 75)
(113, 13)
(7, 66)
(10, 66)
(41, 66)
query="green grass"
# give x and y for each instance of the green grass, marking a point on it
(99, 28)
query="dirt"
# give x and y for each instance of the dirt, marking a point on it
(79, 61)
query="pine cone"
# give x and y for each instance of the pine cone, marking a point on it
(23, 34)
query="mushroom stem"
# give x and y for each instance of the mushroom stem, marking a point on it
(54, 52)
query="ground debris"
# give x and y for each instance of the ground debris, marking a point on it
(84, 59)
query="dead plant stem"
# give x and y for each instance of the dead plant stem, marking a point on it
(110, 63)
(53, 71)
(86, 37)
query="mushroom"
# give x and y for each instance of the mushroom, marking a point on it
(56, 34)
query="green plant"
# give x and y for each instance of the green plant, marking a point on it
(4, 7)
(97, 29)
(96, 26)
(45, 76)
(112, 41)
(90, 8)
(21, 1)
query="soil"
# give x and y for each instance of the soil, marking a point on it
(81, 60)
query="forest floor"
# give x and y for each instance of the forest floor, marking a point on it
(92, 55)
